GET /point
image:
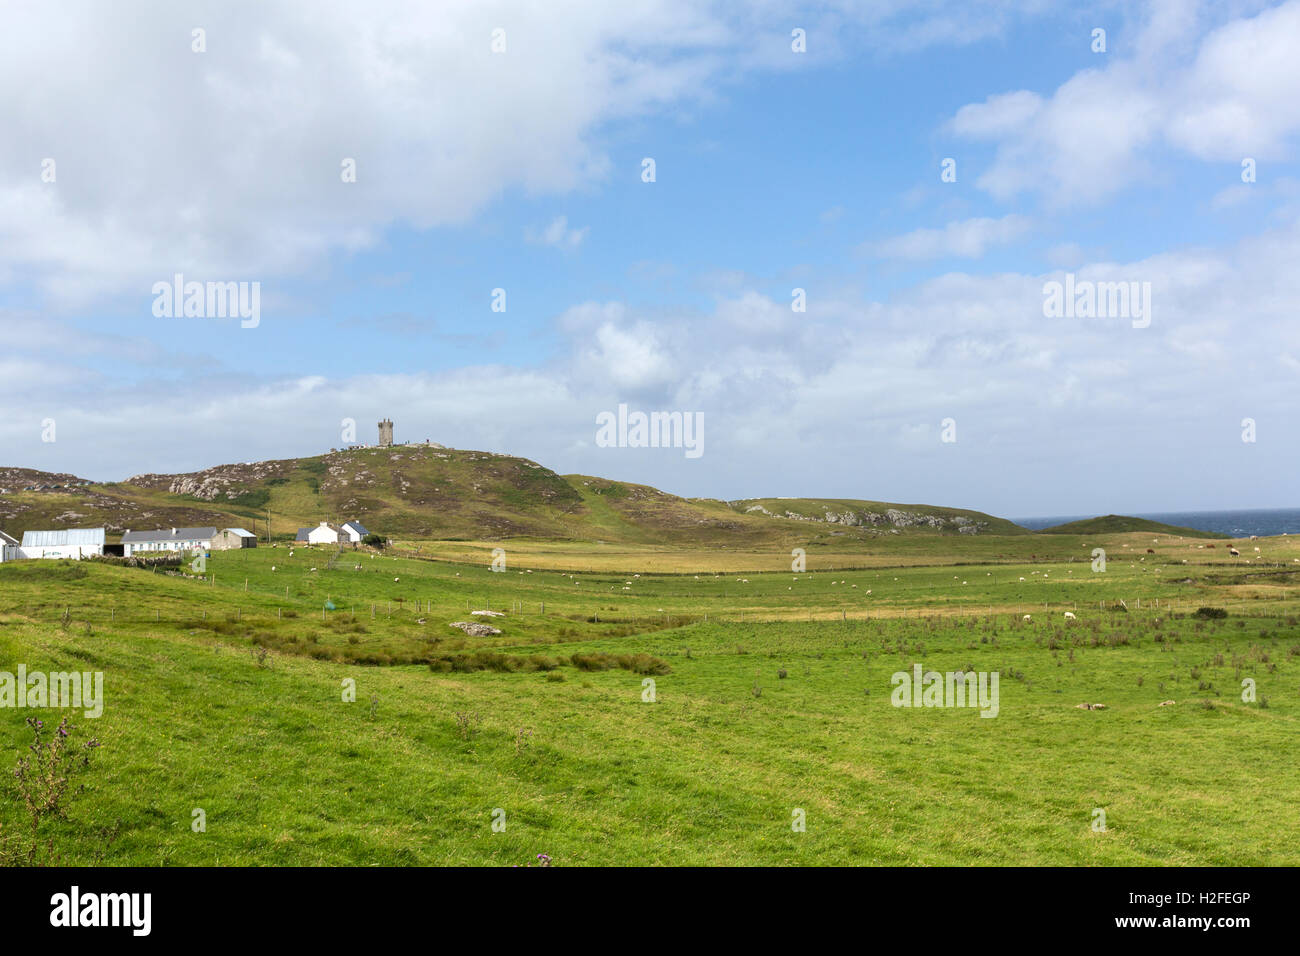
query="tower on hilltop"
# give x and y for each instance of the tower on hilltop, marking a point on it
(385, 433)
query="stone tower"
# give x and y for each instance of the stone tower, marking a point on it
(385, 433)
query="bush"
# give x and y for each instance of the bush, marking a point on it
(374, 540)
(1211, 613)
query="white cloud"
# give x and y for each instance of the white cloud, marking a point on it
(1230, 97)
(559, 235)
(965, 239)
(227, 164)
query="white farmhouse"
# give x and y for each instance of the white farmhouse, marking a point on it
(167, 539)
(325, 533)
(355, 531)
(76, 543)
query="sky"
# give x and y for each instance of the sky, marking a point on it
(838, 266)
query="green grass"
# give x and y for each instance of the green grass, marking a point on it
(712, 770)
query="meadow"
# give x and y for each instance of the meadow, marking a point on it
(670, 707)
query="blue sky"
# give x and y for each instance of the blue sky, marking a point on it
(521, 170)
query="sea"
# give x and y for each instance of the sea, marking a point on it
(1238, 524)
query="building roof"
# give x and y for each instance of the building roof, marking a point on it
(7, 538)
(241, 532)
(169, 534)
(68, 537)
(357, 526)
(302, 534)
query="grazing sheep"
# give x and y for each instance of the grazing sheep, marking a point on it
(1151, 551)
(1234, 552)
(395, 580)
(1069, 615)
(1027, 618)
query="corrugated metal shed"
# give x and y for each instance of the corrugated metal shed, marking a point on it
(63, 539)
(241, 532)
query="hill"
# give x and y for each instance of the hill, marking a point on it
(879, 515)
(1119, 524)
(431, 492)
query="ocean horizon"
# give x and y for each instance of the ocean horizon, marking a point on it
(1240, 523)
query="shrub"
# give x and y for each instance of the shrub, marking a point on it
(1211, 613)
(42, 780)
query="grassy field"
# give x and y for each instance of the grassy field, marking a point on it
(771, 696)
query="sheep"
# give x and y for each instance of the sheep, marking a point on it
(1069, 615)
(1234, 552)
(1027, 618)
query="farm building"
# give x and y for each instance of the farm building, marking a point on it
(231, 539)
(355, 531)
(74, 543)
(8, 548)
(168, 539)
(325, 533)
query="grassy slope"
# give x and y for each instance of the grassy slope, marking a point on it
(709, 773)
(1119, 524)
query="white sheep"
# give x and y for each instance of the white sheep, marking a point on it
(1069, 615)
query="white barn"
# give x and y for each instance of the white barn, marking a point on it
(76, 543)
(8, 548)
